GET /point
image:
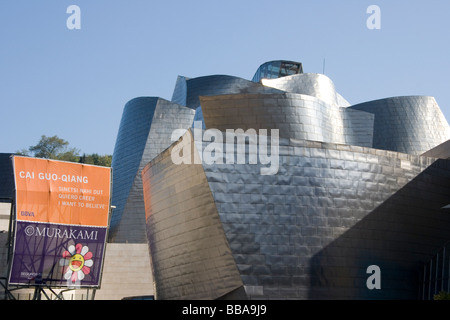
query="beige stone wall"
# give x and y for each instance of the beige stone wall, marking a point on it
(126, 272)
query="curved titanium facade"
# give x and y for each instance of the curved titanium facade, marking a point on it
(188, 91)
(312, 84)
(145, 130)
(411, 124)
(308, 232)
(296, 116)
(191, 260)
(352, 189)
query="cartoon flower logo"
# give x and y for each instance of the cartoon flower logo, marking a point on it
(77, 261)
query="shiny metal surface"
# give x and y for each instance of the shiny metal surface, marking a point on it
(191, 256)
(312, 84)
(145, 130)
(311, 230)
(296, 116)
(189, 90)
(410, 124)
(351, 191)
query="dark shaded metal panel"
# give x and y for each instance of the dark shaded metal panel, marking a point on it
(399, 236)
(190, 255)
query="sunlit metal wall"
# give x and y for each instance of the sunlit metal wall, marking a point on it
(308, 232)
(410, 124)
(190, 255)
(312, 84)
(145, 130)
(296, 116)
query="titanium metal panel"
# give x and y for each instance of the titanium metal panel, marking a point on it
(312, 84)
(312, 229)
(296, 116)
(213, 85)
(441, 151)
(190, 255)
(351, 191)
(180, 92)
(411, 124)
(133, 133)
(145, 130)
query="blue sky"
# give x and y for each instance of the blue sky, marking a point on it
(75, 83)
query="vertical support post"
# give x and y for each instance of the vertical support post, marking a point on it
(429, 282)
(436, 274)
(443, 268)
(423, 281)
(10, 230)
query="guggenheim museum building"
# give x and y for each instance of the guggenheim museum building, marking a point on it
(278, 188)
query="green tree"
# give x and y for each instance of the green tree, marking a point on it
(58, 149)
(52, 148)
(96, 159)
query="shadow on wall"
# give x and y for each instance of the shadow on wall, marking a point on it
(399, 236)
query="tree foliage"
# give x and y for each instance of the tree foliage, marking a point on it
(58, 149)
(442, 295)
(96, 159)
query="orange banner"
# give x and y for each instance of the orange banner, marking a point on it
(61, 192)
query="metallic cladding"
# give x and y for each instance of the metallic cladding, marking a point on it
(311, 230)
(145, 130)
(410, 124)
(312, 84)
(214, 85)
(133, 133)
(351, 191)
(297, 116)
(190, 254)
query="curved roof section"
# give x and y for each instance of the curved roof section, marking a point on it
(408, 124)
(296, 116)
(312, 84)
(188, 90)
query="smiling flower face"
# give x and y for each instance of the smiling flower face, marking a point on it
(77, 262)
